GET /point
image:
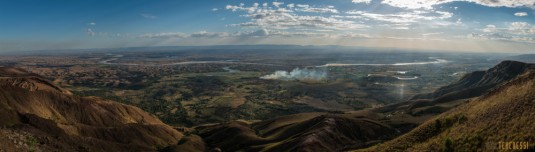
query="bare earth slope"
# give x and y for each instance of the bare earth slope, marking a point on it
(300, 132)
(50, 118)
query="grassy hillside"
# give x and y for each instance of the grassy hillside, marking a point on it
(502, 115)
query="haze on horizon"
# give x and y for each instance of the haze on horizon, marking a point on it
(456, 25)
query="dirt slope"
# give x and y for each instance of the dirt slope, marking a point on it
(52, 119)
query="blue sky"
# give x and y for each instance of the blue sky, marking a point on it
(449, 25)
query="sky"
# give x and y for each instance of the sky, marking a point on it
(435, 25)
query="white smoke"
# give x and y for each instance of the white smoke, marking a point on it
(298, 74)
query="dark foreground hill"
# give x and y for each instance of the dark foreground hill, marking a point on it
(301, 132)
(505, 114)
(36, 115)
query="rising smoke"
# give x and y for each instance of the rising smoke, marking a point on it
(298, 74)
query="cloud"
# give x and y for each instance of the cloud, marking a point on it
(521, 28)
(149, 16)
(521, 14)
(165, 35)
(90, 32)
(428, 4)
(309, 9)
(515, 31)
(258, 33)
(204, 34)
(402, 17)
(277, 4)
(287, 18)
(290, 6)
(92, 23)
(434, 33)
(362, 1)
(501, 37)
(170, 35)
(490, 28)
(215, 9)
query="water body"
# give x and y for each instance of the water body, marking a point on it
(397, 77)
(437, 61)
(116, 57)
(405, 78)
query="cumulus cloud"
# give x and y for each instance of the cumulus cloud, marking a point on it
(490, 28)
(362, 1)
(515, 31)
(521, 14)
(290, 6)
(164, 35)
(286, 18)
(277, 4)
(205, 34)
(201, 34)
(402, 17)
(258, 33)
(501, 37)
(298, 74)
(90, 32)
(522, 28)
(428, 4)
(307, 8)
(261, 33)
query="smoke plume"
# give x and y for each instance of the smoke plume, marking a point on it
(298, 74)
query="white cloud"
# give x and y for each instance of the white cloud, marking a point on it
(261, 33)
(362, 1)
(92, 23)
(490, 28)
(430, 34)
(258, 33)
(403, 17)
(290, 6)
(164, 35)
(303, 5)
(286, 18)
(277, 4)
(215, 9)
(149, 16)
(428, 4)
(521, 14)
(307, 8)
(205, 34)
(90, 32)
(516, 31)
(522, 28)
(501, 37)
